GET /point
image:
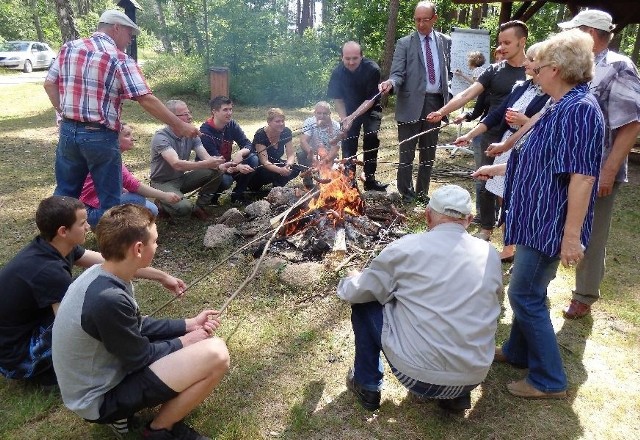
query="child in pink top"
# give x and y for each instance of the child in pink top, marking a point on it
(134, 191)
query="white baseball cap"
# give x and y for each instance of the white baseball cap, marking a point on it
(452, 201)
(591, 18)
(113, 16)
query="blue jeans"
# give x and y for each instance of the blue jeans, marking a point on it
(532, 342)
(242, 180)
(84, 149)
(366, 320)
(94, 214)
(368, 371)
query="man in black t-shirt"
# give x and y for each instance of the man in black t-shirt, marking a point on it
(354, 89)
(498, 80)
(33, 283)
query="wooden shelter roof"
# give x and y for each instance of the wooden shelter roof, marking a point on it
(623, 12)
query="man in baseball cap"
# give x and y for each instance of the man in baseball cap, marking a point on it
(429, 301)
(616, 86)
(87, 85)
(591, 18)
(113, 16)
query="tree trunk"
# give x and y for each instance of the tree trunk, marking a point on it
(389, 41)
(476, 15)
(164, 34)
(635, 54)
(327, 12)
(462, 15)
(306, 16)
(35, 15)
(68, 29)
(83, 7)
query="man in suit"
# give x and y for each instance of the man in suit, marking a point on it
(419, 77)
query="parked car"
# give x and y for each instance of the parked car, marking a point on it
(26, 55)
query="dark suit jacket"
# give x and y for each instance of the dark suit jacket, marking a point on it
(408, 73)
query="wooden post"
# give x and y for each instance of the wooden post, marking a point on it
(219, 80)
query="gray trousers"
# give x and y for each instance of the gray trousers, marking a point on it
(590, 270)
(205, 179)
(426, 149)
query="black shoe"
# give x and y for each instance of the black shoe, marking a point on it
(157, 434)
(457, 404)
(185, 432)
(122, 427)
(423, 198)
(374, 185)
(368, 399)
(408, 198)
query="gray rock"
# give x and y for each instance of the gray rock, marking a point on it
(261, 208)
(302, 274)
(282, 195)
(232, 217)
(259, 225)
(219, 236)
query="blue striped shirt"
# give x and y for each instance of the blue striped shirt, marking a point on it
(568, 139)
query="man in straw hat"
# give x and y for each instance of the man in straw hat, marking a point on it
(616, 86)
(86, 85)
(429, 302)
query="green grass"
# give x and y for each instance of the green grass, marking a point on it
(290, 353)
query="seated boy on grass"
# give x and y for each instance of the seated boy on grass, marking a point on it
(111, 361)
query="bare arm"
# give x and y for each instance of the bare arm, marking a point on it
(465, 139)
(456, 102)
(147, 191)
(304, 144)
(176, 285)
(157, 109)
(290, 151)
(501, 147)
(178, 164)
(578, 196)
(51, 89)
(340, 108)
(623, 143)
(346, 122)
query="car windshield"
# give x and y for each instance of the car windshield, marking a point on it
(14, 46)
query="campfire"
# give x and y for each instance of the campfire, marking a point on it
(335, 219)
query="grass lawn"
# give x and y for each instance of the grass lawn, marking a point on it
(290, 357)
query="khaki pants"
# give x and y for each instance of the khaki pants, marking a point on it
(208, 182)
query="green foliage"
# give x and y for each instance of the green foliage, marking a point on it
(15, 21)
(288, 78)
(177, 75)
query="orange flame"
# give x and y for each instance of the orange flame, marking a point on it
(336, 198)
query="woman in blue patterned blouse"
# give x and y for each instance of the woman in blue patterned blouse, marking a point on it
(549, 193)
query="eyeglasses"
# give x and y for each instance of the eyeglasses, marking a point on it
(424, 20)
(185, 114)
(537, 70)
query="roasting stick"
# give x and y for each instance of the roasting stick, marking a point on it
(284, 222)
(400, 143)
(303, 199)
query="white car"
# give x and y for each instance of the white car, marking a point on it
(26, 55)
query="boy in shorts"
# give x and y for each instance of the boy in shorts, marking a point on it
(110, 360)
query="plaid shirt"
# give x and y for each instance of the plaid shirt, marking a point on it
(93, 78)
